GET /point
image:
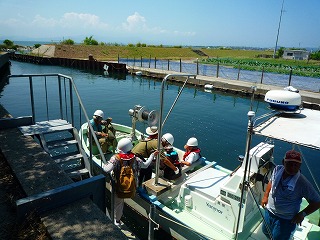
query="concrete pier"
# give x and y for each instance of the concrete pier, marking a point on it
(310, 99)
(36, 173)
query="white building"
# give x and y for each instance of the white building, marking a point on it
(296, 54)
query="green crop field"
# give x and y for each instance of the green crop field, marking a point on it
(255, 60)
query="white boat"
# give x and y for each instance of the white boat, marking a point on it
(138, 73)
(208, 86)
(205, 202)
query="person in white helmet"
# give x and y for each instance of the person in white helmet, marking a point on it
(145, 147)
(170, 163)
(127, 158)
(192, 153)
(106, 136)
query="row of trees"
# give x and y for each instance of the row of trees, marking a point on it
(91, 41)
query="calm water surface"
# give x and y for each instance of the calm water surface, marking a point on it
(218, 120)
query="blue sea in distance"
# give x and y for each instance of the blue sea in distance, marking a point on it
(31, 43)
(217, 119)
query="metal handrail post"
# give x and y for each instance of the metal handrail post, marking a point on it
(60, 96)
(88, 121)
(156, 179)
(251, 115)
(71, 102)
(151, 223)
(32, 99)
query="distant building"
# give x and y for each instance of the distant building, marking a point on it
(296, 54)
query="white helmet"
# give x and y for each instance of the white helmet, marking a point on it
(169, 138)
(99, 113)
(125, 145)
(192, 142)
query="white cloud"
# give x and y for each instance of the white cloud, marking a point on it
(135, 22)
(82, 20)
(185, 34)
(39, 21)
(70, 23)
(138, 24)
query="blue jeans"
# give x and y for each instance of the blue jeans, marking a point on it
(280, 228)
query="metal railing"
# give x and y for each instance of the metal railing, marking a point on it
(67, 96)
(219, 71)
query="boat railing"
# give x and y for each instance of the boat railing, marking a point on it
(71, 107)
(161, 123)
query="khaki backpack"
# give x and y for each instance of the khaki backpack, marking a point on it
(126, 182)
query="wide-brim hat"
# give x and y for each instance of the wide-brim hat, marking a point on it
(152, 130)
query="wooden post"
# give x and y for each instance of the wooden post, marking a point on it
(238, 77)
(262, 74)
(118, 58)
(141, 62)
(217, 75)
(149, 61)
(180, 66)
(197, 66)
(155, 62)
(290, 75)
(168, 65)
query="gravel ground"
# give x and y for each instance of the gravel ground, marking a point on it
(10, 191)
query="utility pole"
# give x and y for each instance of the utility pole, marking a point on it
(275, 49)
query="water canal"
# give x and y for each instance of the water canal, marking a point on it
(218, 120)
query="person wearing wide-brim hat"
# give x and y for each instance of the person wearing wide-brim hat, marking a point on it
(283, 196)
(151, 131)
(144, 148)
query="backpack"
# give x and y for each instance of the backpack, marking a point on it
(125, 179)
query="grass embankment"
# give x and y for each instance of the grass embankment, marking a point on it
(245, 59)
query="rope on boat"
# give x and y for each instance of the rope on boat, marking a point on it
(305, 160)
(182, 225)
(258, 205)
(154, 222)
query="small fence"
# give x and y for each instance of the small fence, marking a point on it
(90, 64)
(219, 71)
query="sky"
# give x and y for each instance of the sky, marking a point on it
(247, 23)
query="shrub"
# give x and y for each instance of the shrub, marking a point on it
(315, 55)
(68, 42)
(8, 43)
(90, 41)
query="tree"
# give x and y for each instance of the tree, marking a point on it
(8, 43)
(315, 55)
(68, 42)
(280, 52)
(90, 41)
